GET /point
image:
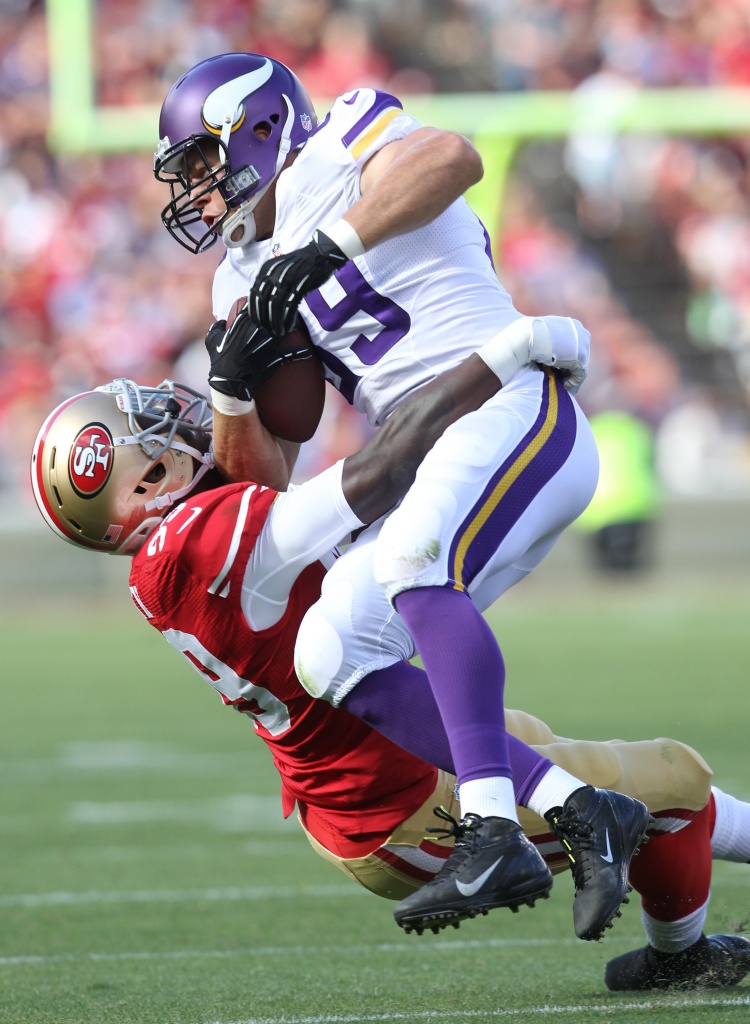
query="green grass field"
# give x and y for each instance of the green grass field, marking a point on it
(147, 875)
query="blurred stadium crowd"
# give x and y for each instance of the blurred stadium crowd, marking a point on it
(645, 239)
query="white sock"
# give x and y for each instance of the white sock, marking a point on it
(674, 936)
(731, 836)
(492, 797)
(553, 790)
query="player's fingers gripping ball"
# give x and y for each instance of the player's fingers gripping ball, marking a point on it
(242, 356)
(282, 378)
(283, 282)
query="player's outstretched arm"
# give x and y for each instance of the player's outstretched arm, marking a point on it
(245, 450)
(324, 511)
(380, 474)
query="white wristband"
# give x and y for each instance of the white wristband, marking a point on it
(346, 238)
(510, 349)
(501, 356)
(229, 406)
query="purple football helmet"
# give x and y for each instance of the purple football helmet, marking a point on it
(227, 124)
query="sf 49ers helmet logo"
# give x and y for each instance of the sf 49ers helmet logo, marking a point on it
(91, 457)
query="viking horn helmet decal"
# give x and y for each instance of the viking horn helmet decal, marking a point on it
(226, 100)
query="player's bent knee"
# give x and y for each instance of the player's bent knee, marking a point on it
(664, 773)
(409, 548)
(690, 774)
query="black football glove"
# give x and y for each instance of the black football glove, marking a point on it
(283, 282)
(245, 355)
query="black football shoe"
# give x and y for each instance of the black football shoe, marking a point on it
(492, 865)
(600, 831)
(714, 961)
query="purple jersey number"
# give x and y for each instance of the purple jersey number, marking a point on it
(361, 298)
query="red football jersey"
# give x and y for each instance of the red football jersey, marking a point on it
(347, 779)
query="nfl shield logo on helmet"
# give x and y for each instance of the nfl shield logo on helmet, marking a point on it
(306, 122)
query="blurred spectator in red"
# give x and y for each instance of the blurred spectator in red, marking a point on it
(345, 59)
(727, 26)
(289, 31)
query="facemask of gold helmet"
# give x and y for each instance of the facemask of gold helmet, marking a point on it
(107, 464)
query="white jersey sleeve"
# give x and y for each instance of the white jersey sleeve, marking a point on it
(364, 121)
(304, 524)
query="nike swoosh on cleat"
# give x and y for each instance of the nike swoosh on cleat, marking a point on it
(470, 888)
(608, 858)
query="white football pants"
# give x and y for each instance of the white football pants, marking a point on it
(488, 503)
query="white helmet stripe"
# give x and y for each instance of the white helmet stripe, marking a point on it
(225, 100)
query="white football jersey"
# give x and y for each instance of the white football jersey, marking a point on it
(410, 308)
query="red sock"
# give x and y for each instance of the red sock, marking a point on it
(672, 872)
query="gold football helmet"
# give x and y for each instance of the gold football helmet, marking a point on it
(108, 463)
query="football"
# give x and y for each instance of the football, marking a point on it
(290, 403)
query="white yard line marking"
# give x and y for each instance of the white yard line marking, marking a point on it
(659, 1003)
(280, 951)
(235, 812)
(532, 1011)
(54, 899)
(135, 756)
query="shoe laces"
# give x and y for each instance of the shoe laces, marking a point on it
(577, 837)
(464, 835)
(463, 832)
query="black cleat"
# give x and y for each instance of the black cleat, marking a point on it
(492, 865)
(716, 961)
(600, 831)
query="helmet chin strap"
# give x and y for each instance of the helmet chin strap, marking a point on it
(165, 500)
(239, 228)
(206, 460)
